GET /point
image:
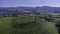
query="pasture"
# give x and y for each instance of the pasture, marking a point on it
(26, 25)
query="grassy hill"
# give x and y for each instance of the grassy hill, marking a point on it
(26, 25)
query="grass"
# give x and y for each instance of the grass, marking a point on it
(41, 26)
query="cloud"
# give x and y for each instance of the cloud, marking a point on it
(30, 3)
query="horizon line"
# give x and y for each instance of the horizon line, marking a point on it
(28, 6)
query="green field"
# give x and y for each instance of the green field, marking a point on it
(12, 25)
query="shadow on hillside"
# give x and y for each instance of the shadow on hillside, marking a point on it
(58, 26)
(26, 25)
(27, 28)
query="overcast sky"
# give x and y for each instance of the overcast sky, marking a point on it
(30, 3)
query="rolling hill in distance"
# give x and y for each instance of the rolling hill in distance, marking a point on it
(32, 9)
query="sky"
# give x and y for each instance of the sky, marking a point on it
(29, 3)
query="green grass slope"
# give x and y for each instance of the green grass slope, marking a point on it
(41, 26)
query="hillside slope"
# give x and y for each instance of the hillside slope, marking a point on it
(8, 26)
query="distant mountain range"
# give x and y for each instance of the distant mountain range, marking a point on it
(43, 8)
